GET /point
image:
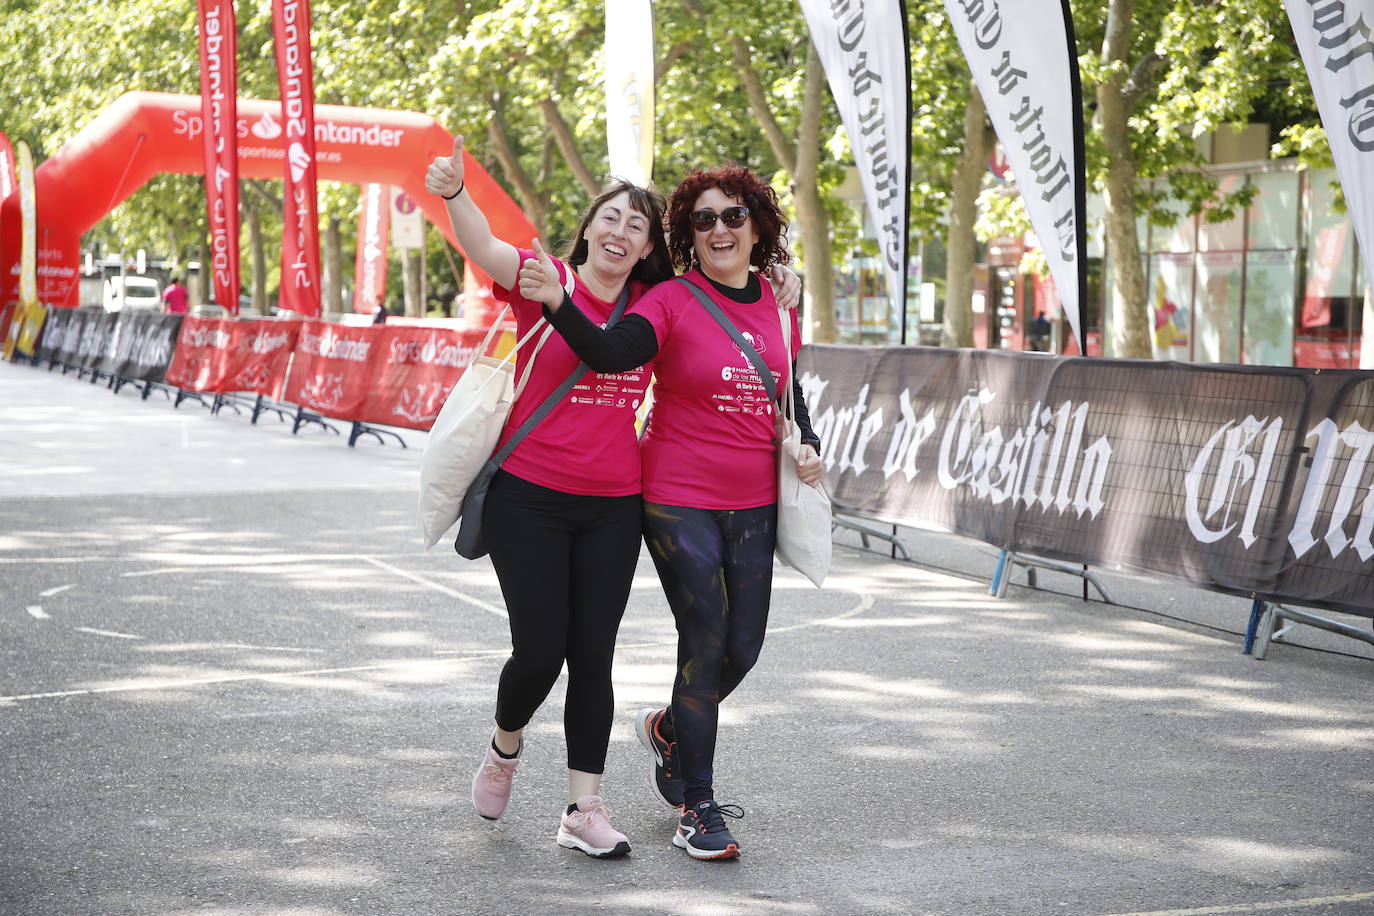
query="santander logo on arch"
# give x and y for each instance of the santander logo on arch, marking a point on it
(189, 124)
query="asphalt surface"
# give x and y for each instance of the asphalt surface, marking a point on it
(232, 682)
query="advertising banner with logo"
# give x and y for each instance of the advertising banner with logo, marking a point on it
(332, 369)
(92, 337)
(369, 270)
(141, 347)
(407, 222)
(863, 48)
(1190, 472)
(1335, 46)
(221, 355)
(219, 90)
(54, 332)
(629, 62)
(1024, 59)
(65, 343)
(300, 264)
(413, 371)
(28, 325)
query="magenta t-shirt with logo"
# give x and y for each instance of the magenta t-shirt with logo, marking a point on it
(710, 440)
(586, 445)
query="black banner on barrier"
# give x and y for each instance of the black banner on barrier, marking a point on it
(97, 327)
(141, 346)
(54, 333)
(1248, 480)
(71, 335)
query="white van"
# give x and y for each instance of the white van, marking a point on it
(130, 292)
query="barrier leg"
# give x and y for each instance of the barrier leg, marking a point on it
(362, 429)
(1256, 610)
(1000, 570)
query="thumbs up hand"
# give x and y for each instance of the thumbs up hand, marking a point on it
(445, 174)
(539, 279)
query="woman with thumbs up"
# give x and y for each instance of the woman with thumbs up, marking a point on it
(709, 461)
(568, 496)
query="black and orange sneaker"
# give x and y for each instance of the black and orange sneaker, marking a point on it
(665, 779)
(702, 832)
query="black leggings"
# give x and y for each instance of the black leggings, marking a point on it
(717, 571)
(565, 563)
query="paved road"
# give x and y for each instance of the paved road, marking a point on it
(230, 682)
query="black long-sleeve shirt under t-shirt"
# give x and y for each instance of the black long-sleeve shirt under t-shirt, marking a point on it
(633, 342)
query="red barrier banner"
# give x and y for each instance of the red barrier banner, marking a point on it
(332, 368)
(219, 114)
(369, 273)
(413, 370)
(300, 266)
(222, 355)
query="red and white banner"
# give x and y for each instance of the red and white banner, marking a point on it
(1024, 58)
(300, 266)
(863, 49)
(369, 271)
(331, 371)
(1335, 46)
(414, 370)
(219, 90)
(629, 61)
(222, 355)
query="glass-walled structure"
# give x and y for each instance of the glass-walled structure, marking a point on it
(1279, 284)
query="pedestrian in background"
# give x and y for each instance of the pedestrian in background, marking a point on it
(175, 296)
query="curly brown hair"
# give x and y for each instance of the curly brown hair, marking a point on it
(743, 185)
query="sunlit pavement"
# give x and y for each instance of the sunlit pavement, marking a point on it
(231, 682)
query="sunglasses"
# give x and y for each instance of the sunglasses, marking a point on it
(733, 217)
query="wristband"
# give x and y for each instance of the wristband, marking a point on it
(461, 185)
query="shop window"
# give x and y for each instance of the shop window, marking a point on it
(1326, 304)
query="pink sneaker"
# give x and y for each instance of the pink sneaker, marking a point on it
(589, 829)
(491, 784)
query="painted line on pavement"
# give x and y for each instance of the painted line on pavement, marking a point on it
(37, 612)
(442, 589)
(275, 676)
(866, 601)
(55, 591)
(1257, 907)
(107, 633)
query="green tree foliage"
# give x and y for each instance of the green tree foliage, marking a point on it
(523, 81)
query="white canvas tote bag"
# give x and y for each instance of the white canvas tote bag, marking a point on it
(467, 429)
(804, 513)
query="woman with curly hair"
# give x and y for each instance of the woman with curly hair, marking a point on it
(708, 458)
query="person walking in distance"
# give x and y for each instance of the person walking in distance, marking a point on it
(709, 462)
(175, 296)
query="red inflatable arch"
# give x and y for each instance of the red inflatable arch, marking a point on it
(145, 133)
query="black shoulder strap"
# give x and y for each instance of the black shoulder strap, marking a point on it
(765, 374)
(561, 391)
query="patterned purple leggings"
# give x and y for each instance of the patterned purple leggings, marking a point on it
(716, 567)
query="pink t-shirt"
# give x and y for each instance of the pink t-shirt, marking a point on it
(175, 296)
(586, 445)
(710, 440)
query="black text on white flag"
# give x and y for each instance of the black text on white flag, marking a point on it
(863, 50)
(1334, 39)
(1021, 60)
